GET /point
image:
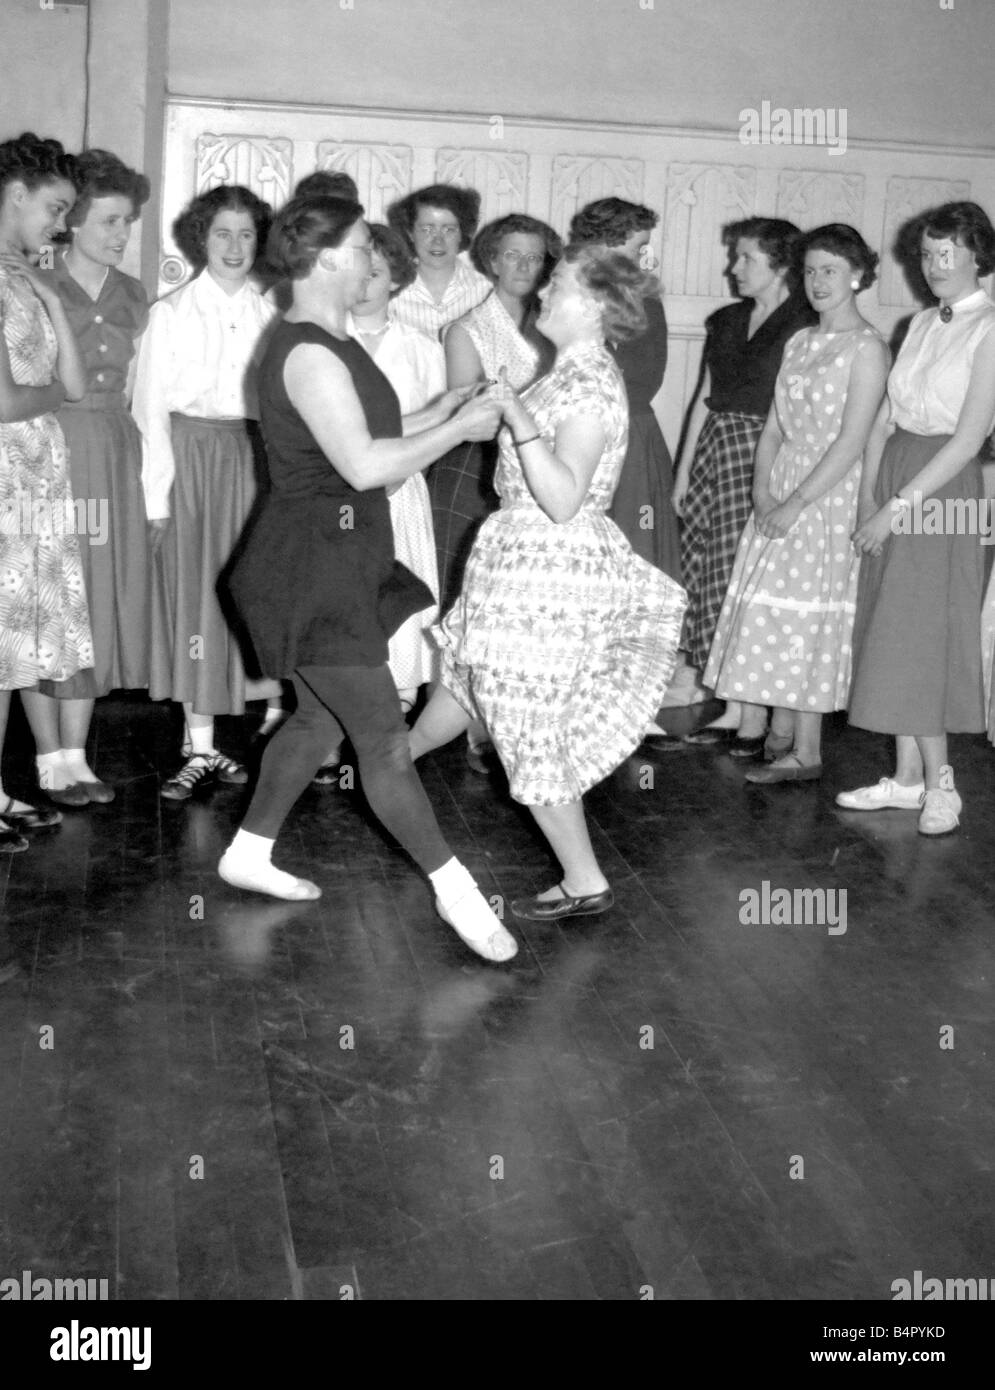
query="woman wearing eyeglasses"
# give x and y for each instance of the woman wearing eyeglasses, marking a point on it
(438, 223)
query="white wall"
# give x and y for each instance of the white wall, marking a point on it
(904, 69)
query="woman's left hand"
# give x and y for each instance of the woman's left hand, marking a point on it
(776, 524)
(869, 539)
(18, 264)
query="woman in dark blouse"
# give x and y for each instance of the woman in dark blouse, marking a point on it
(317, 583)
(713, 489)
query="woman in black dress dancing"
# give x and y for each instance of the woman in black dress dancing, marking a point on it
(317, 583)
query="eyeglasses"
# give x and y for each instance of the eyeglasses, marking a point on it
(428, 229)
(531, 259)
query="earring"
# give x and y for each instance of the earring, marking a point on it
(855, 284)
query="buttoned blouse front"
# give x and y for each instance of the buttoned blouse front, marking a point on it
(199, 357)
(106, 328)
(929, 380)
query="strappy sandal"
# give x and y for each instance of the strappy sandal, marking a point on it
(31, 818)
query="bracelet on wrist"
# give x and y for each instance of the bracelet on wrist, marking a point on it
(902, 501)
(531, 440)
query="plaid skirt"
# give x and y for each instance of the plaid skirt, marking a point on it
(717, 507)
(461, 486)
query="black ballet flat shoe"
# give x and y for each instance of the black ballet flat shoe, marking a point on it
(537, 910)
(74, 795)
(747, 747)
(32, 818)
(482, 760)
(100, 792)
(711, 738)
(10, 841)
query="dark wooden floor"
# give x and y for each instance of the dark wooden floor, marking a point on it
(499, 1133)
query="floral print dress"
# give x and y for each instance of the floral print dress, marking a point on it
(563, 639)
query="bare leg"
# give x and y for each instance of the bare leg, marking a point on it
(909, 760)
(753, 722)
(200, 728)
(730, 716)
(933, 752)
(43, 716)
(565, 827)
(808, 737)
(442, 720)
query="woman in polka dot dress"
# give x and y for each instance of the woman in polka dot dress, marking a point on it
(784, 633)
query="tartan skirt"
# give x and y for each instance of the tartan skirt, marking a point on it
(717, 507)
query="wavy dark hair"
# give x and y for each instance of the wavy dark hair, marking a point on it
(488, 240)
(191, 228)
(463, 203)
(967, 224)
(33, 161)
(610, 222)
(619, 285)
(102, 175)
(304, 228)
(327, 183)
(395, 250)
(776, 238)
(839, 239)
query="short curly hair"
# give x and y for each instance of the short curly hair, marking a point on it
(463, 203)
(327, 183)
(488, 240)
(400, 261)
(839, 239)
(191, 228)
(967, 224)
(34, 162)
(102, 175)
(610, 222)
(775, 238)
(304, 228)
(620, 286)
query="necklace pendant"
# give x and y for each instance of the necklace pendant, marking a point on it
(946, 313)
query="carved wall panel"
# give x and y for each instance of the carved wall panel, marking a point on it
(382, 173)
(701, 198)
(501, 177)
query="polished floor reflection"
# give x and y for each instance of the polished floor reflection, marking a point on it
(205, 1095)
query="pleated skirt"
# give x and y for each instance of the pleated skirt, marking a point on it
(917, 632)
(196, 648)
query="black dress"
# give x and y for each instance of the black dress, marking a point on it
(316, 582)
(642, 506)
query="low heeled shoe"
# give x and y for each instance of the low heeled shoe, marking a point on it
(536, 909)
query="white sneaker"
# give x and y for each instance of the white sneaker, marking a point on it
(885, 793)
(941, 807)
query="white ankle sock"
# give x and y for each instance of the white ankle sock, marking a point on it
(464, 907)
(53, 775)
(77, 766)
(202, 740)
(247, 864)
(274, 716)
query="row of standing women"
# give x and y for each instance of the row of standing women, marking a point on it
(556, 676)
(887, 624)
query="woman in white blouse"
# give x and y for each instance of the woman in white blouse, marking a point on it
(201, 464)
(917, 647)
(438, 223)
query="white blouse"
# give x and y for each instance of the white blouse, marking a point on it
(198, 356)
(929, 380)
(413, 363)
(416, 307)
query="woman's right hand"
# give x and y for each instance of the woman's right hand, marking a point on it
(479, 418)
(679, 495)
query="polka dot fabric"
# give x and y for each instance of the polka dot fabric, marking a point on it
(784, 634)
